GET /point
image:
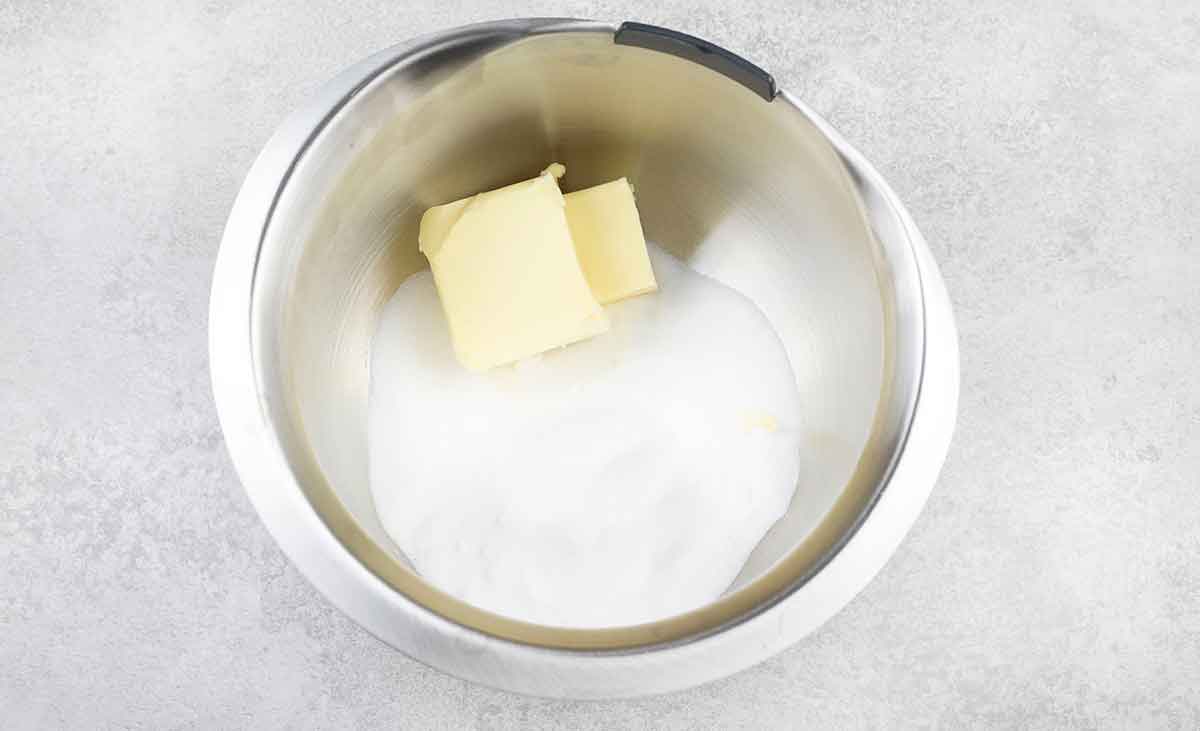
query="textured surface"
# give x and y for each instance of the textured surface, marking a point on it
(1050, 153)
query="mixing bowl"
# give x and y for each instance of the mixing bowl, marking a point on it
(739, 179)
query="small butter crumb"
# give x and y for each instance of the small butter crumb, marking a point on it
(759, 420)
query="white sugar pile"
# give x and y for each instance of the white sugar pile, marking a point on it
(616, 481)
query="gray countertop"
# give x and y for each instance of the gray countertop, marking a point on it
(1049, 151)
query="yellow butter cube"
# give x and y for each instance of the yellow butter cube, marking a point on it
(609, 241)
(507, 273)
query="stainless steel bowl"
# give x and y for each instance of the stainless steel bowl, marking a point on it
(748, 185)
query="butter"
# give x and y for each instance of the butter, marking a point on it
(609, 241)
(507, 273)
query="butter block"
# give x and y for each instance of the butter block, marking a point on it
(507, 273)
(609, 241)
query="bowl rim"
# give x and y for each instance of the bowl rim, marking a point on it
(668, 659)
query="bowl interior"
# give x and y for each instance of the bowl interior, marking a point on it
(746, 191)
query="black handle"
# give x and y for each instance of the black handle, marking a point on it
(698, 51)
